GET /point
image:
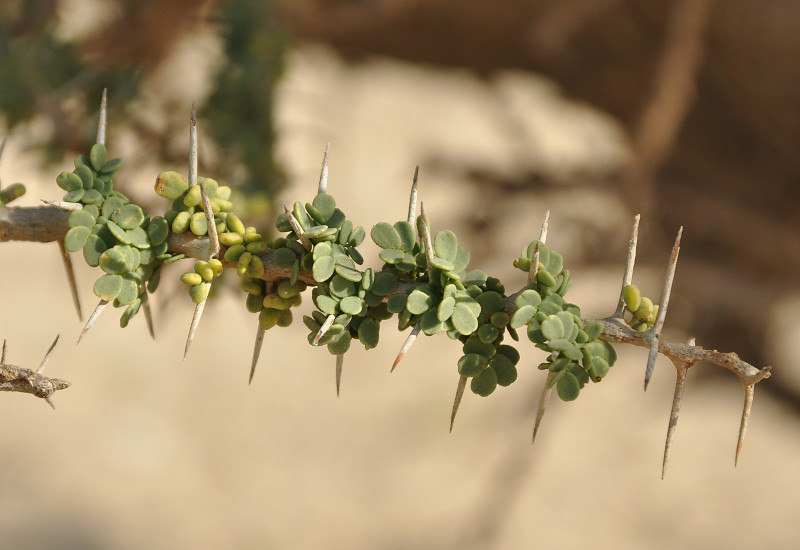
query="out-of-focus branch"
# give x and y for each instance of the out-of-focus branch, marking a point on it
(672, 97)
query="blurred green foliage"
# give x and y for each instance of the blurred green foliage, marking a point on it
(46, 74)
(255, 46)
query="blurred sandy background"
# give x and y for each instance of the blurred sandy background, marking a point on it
(146, 450)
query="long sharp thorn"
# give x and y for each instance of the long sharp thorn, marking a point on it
(101, 122)
(193, 147)
(339, 366)
(198, 313)
(662, 309)
(749, 393)
(47, 355)
(2, 147)
(50, 402)
(407, 345)
(323, 173)
(651, 359)
(462, 384)
(148, 316)
(212, 226)
(412, 200)
(256, 352)
(323, 329)
(67, 206)
(534, 269)
(3, 355)
(628, 275)
(297, 228)
(426, 239)
(543, 232)
(677, 398)
(92, 318)
(73, 286)
(544, 400)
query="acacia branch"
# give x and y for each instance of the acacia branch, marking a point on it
(49, 224)
(19, 379)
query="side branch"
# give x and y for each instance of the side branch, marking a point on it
(13, 378)
(42, 224)
(616, 330)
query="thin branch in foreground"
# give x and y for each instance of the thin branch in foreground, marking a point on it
(18, 379)
(323, 173)
(654, 334)
(462, 384)
(92, 318)
(73, 285)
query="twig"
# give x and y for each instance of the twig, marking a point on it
(617, 331)
(18, 379)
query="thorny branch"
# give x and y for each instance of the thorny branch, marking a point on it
(49, 223)
(19, 379)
